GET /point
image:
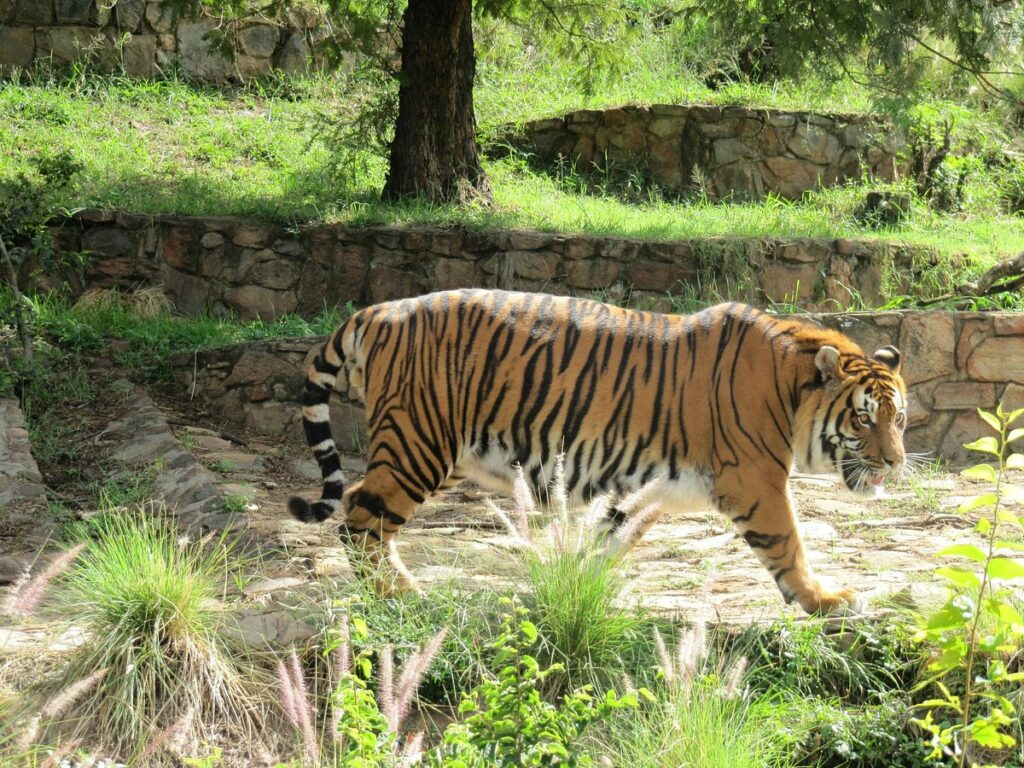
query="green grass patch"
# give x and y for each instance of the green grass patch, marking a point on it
(81, 332)
(151, 606)
(698, 727)
(408, 621)
(172, 147)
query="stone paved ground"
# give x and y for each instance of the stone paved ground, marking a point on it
(687, 563)
(885, 548)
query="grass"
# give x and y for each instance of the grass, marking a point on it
(408, 621)
(701, 728)
(82, 331)
(154, 658)
(174, 147)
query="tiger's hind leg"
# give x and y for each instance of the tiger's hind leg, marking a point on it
(621, 530)
(376, 508)
(763, 514)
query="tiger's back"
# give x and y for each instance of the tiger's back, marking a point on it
(700, 407)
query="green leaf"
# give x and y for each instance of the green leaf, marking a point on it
(1013, 416)
(976, 502)
(980, 472)
(983, 526)
(1004, 568)
(1014, 545)
(970, 551)
(1015, 461)
(1015, 434)
(991, 419)
(529, 630)
(1006, 516)
(984, 445)
(959, 576)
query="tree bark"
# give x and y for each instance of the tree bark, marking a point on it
(434, 153)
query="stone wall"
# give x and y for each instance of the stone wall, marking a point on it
(142, 37)
(255, 269)
(723, 152)
(954, 362)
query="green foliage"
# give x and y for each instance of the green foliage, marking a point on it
(365, 741)
(899, 39)
(702, 728)
(802, 659)
(149, 605)
(507, 723)
(574, 596)
(407, 621)
(825, 734)
(979, 628)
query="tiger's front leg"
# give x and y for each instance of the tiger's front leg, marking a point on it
(762, 511)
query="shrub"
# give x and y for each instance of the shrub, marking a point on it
(154, 664)
(978, 632)
(574, 589)
(508, 724)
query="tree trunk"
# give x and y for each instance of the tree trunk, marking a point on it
(434, 154)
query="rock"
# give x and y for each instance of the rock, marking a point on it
(1013, 397)
(259, 40)
(17, 47)
(73, 11)
(270, 628)
(6, 11)
(957, 395)
(34, 12)
(139, 58)
(927, 343)
(452, 274)
(253, 301)
(1000, 358)
(1009, 324)
(789, 177)
(814, 143)
(160, 16)
(129, 14)
(109, 242)
(593, 273)
(199, 57)
(67, 44)
(189, 294)
(212, 240)
(278, 584)
(533, 265)
(294, 56)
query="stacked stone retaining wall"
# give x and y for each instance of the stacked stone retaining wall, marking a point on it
(732, 152)
(953, 362)
(253, 269)
(144, 37)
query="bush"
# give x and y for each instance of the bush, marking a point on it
(154, 661)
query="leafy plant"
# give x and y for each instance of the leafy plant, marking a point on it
(979, 627)
(507, 723)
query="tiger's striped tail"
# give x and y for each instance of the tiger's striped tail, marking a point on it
(321, 377)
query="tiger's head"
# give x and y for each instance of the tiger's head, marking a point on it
(856, 428)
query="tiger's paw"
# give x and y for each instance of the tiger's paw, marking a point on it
(845, 602)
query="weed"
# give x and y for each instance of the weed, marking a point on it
(574, 589)
(801, 659)
(236, 503)
(409, 620)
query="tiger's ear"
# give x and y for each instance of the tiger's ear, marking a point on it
(889, 357)
(827, 361)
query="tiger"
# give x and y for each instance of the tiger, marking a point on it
(713, 409)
